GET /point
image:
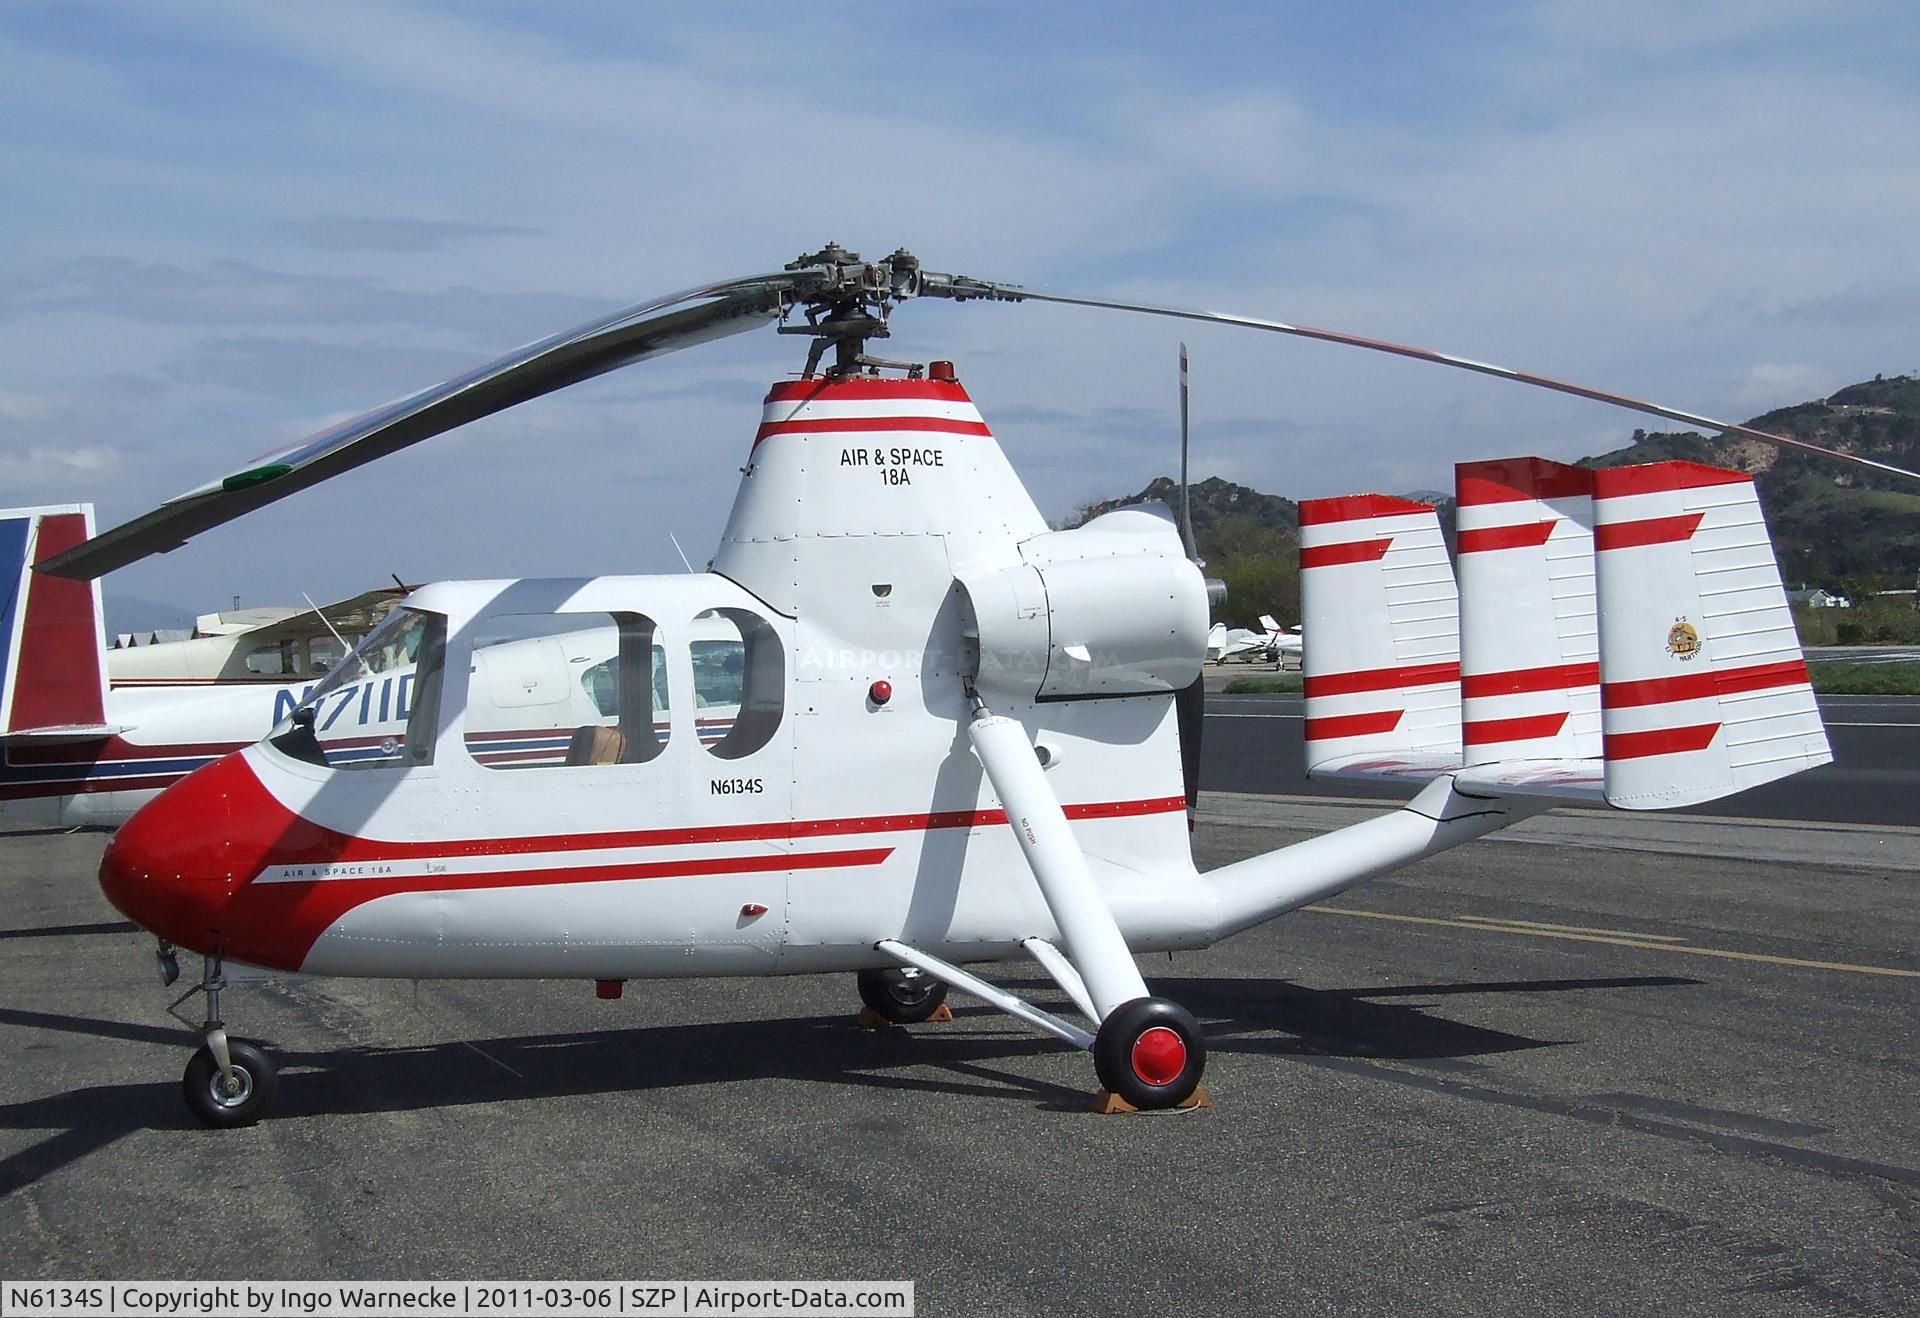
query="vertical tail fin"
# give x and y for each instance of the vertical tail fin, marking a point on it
(52, 646)
(1704, 688)
(1529, 649)
(1382, 653)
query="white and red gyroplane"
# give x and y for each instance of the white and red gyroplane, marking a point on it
(900, 726)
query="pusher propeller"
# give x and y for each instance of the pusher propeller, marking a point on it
(846, 302)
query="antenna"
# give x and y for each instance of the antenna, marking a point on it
(678, 550)
(328, 623)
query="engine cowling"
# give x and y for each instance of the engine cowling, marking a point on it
(1112, 608)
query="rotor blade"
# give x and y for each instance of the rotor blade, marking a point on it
(963, 287)
(651, 329)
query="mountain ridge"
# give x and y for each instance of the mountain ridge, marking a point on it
(1847, 528)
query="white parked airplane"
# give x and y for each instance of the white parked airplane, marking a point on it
(1245, 645)
(956, 736)
(295, 645)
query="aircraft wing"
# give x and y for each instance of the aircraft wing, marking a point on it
(358, 614)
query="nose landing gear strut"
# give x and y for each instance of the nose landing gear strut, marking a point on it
(229, 1082)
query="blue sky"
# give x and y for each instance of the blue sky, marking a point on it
(228, 225)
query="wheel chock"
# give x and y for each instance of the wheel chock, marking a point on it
(873, 1020)
(1109, 1104)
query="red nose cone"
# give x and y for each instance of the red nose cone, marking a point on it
(169, 868)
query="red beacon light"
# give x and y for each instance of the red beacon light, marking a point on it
(941, 371)
(880, 692)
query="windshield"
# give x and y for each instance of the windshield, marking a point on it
(378, 706)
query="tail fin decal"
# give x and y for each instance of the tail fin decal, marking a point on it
(52, 649)
(1529, 650)
(1704, 689)
(1381, 618)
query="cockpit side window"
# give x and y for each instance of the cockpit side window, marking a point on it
(739, 681)
(566, 690)
(380, 706)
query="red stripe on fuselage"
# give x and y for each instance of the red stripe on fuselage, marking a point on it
(184, 866)
(322, 845)
(863, 389)
(932, 425)
(277, 924)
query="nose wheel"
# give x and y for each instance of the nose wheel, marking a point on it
(237, 1094)
(229, 1082)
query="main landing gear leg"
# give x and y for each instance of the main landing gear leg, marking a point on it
(1149, 1051)
(228, 1082)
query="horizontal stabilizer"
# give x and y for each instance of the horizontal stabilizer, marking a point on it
(1575, 781)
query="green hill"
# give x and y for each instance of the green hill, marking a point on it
(1248, 539)
(1835, 525)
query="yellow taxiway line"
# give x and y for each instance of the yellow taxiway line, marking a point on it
(1615, 938)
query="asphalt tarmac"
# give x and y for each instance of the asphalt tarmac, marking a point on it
(1593, 1065)
(1253, 744)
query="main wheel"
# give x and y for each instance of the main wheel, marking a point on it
(224, 1106)
(904, 997)
(1150, 1052)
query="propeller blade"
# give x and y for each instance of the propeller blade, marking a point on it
(961, 287)
(651, 329)
(1186, 499)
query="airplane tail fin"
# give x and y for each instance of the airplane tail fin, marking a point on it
(1268, 625)
(1529, 644)
(1216, 639)
(1382, 650)
(53, 667)
(1704, 688)
(1623, 637)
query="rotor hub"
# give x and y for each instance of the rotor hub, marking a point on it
(854, 298)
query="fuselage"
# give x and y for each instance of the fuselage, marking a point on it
(767, 772)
